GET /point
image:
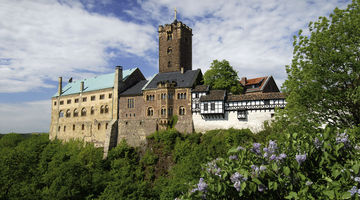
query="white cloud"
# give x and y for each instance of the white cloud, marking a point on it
(45, 39)
(254, 36)
(25, 117)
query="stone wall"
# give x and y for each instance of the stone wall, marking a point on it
(89, 128)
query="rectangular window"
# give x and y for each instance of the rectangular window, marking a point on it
(92, 98)
(212, 106)
(205, 107)
(54, 103)
(84, 99)
(68, 101)
(61, 102)
(110, 95)
(102, 96)
(196, 95)
(76, 100)
(131, 103)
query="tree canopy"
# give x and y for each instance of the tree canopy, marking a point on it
(323, 85)
(221, 75)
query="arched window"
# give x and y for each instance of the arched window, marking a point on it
(170, 112)
(102, 109)
(68, 113)
(163, 111)
(59, 128)
(106, 109)
(64, 128)
(61, 114)
(73, 127)
(76, 113)
(181, 110)
(169, 64)
(92, 111)
(150, 111)
(99, 126)
(83, 112)
(106, 126)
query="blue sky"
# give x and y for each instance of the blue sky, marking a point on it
(41, 40)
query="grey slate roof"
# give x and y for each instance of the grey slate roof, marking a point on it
(185, 80)
(201, 88)
(135, 89)
(256, 96)
(214, 95)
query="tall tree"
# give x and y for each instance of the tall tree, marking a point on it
(323, 83)
(221, 75)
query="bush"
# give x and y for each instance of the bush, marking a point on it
(320, 166)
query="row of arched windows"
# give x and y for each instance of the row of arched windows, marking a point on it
(181, 95)
(83, 112)
(150, 111)
(82, 127)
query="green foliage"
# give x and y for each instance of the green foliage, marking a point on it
(221, 75)
(323, 83)
(329, 171)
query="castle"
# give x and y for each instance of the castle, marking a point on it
(124, 105)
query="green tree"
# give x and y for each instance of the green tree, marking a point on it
(323, 83)
(221, 75)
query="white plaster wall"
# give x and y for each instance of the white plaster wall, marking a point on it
(255, 120)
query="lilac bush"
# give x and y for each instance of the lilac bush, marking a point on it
(319, 166)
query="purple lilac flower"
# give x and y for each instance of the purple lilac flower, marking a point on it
(202, 185)
(357, 147)
(237, 185)
(233, 157)
(272, 146)
(262, 168)
(300, 158)
(235, 177)
(357, 179)
(318, 143)
(272, 157)
(261, 188)
(342, 138)
(212, 168)
(281, 156)
(353, 190)
(239, 148)
(256, 148)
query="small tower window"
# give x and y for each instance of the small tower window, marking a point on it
(169, 50)
(73, 127)
(82, 127)
(169, 36)
(106, 109)
(92, 111)
(169, 64)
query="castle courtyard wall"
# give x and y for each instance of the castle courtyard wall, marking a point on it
(254, 121)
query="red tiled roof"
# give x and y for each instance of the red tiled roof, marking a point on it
(255, 80)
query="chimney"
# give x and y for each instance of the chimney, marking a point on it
(82, 86)
(60, 86)
(243, 81)
(119, 71)
(182, 70)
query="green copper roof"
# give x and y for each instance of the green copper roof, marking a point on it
(94, 83)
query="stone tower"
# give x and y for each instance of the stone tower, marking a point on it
(175, 47)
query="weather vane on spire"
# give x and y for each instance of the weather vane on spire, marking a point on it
(175, 13)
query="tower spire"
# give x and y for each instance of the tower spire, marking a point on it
(175, 13)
